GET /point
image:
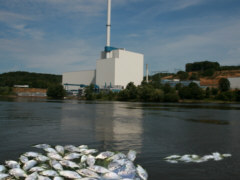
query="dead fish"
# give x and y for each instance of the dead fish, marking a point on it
(132, 155)
(42, 146)
(70, 174)
(72, 156)
(50, 150)
(70, 164)
(60, 149)
(36, 169)
(89, 151)
(111, 175)
(29, 165)
(4, 176)
(43, 178)
(71, 148)
(23, 159)
(32, 176)
(98, 169)
(83, 147)
(118, 156)
(104, 155)
(51, 173)
(141, 172)
(226, 155)
(56, 165)
(90, 160)
(42, 158)
(2, 168)
(12, 164)
(58, 178)
(87, 172)
(31, 154)
(54, 156)
(17, 173)
(173, 157)
(83, 158)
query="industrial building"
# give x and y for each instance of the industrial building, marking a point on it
(115, 68)
(234, 82)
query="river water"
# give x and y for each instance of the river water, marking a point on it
(153, 130)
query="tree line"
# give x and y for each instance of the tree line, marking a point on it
(157, 92)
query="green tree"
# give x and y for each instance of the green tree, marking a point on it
(224, 84)
(89, 92)
(182, 75)
(56, 91)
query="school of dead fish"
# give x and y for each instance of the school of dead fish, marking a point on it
(193, 158)
(73, 162)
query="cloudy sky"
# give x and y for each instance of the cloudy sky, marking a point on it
(56, 36)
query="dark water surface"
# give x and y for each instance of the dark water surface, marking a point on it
(153, 130)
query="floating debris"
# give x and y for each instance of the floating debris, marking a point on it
(187, 158)
(75, 162)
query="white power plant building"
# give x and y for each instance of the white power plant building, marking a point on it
(116, 67)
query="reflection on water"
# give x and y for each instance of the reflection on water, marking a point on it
(209, 121)
(110, 124)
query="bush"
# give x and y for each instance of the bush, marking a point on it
(226, 96)
(56, 91)
(171, 97)
(224, 84)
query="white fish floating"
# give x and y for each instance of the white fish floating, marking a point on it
(193, 158)
(69, 164)
(3, 176)
(2, 168)
(31, 154)
(131, 155)
(91, 160)
(32, 176)
(104, 155)
(53, 155)
(43, 178)
(23, 159)
(42, 158)
(56, 165)
(87, 173)
(98, 169)
(70, 174)
(142, 173)
(42, 146)
(12, 164)
(28, 165)
(76, 162)
(50, 173)
(60, 149)
(17, 173)
(72, 156)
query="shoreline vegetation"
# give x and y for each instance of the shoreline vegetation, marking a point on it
(153, 91)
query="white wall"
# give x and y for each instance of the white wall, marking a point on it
(80, 77)
(234, 83)
(123, 67)
(129, 68)
(105, 72)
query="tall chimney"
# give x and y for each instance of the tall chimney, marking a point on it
(147, 73)
(108, 26)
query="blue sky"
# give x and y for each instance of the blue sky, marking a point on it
(56, 36)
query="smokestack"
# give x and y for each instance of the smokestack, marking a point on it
(108, 26)
(147, 73)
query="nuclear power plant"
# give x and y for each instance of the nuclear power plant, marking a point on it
(115, 68)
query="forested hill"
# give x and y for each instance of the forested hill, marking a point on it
(34, 80)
